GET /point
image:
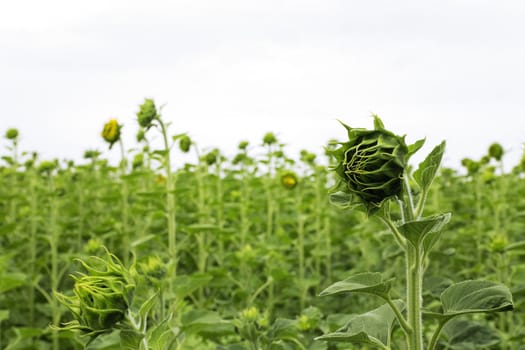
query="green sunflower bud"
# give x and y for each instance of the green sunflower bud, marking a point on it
(243, 145)
(101, 297)
(496, 151)
(153, 267)
(371, 165)
(269, 138)
(47, 166)
(11, 134)
(211, 157)
(147, 113)
(185, 143)
(111, 132)
(308, 157)
(471, 165)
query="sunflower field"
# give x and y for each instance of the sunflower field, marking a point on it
(246, 252)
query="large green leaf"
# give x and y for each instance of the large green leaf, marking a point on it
(367, 282)
(416, 231)
(373, 327)
(425, 173)
(474, 296)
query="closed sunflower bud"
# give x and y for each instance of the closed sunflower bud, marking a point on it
(211, 157)
(471, 166)
(11, 134)
(101, 297)
(371, 165)
(496, 151)
(147, 113)
(269, 138)
(243, 145)
(185, 143)
(111, 132)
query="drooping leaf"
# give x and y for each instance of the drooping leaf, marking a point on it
(373, 327)
(466, 335)
(416, 231)
(425, 173)
(367, 282)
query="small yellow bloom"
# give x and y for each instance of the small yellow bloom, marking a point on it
(289, 180)
(250, 314)
(160, 179)
(111, 132)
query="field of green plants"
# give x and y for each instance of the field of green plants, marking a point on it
(234, 252)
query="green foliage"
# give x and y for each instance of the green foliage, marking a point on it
(252, 252)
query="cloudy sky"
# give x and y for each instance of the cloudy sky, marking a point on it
(230, 70)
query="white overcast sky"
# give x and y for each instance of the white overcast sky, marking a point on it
(233, 70)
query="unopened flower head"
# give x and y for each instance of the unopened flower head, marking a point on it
(153, 267)
(101, 297)
(147, 113)
(269, 138)
(371, 165)
(111, 132)
(211, 157)
(11, 134)
(185, 143)
(243, 145)
(496, 151)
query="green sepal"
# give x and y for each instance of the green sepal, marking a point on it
(373, 327)
(130, 338)
(367, 282)
(425, 173)
(416, 231)
(416, 146)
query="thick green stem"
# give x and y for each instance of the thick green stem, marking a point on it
(300, 248)
(414, 297)
(402, 322)
(54, 237)
(170, 207)
(125, 207)
(33, 247)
